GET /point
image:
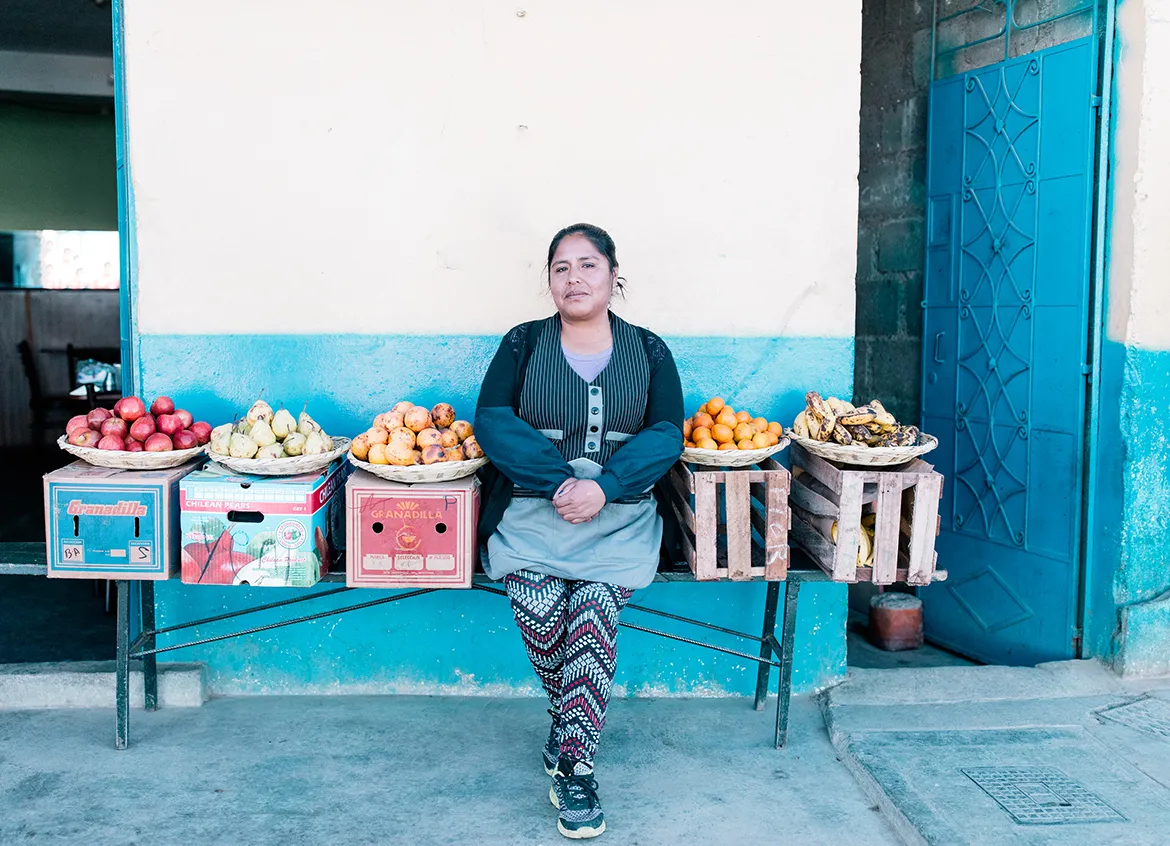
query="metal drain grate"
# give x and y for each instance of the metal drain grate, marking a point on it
(1148, 715)
(1041, 796)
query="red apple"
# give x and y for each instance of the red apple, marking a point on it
(84, 438)
(79, 421)
(158, 442)
(96, 417)
(142, 428)
(162, 405)
(118, 408)
(132, 408)
(115, 426)
(111, 442)
(202, 431)
(185, 416)
(133, 445)
(185, 439)
(170, 424)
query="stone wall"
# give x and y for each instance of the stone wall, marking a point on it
(895, 73)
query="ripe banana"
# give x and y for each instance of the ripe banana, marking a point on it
(838, 406)
(818, 406)
(842, 436)
(800, 425)
(859, 416)
(864, 545)
(823, 430)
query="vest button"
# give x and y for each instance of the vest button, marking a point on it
(592, 445)
(592, 428)
(595, 410)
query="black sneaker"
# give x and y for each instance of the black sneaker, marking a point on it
(574, 793)
(552, 747)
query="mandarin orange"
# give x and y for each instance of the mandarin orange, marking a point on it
(703, 419)
(715, 405)
(722, 434)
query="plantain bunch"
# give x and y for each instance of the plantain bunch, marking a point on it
(836, 420)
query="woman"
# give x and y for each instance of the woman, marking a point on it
(581, 414)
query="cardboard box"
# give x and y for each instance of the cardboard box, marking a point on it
(401, 535)
(112, 524)
(270, 531)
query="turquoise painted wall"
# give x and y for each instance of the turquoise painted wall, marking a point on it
(461, 641)
(1130, 587)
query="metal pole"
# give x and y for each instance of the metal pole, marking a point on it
(149, 662)
(791, 594)
(764, 674)
(122, 671)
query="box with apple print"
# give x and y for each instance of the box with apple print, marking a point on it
(268, 531)
(400, 535)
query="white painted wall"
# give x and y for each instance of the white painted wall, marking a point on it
(1139, 258)
(307, 167)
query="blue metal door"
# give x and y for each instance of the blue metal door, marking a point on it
(1009, 220)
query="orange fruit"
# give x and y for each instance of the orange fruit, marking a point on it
(703, 410)
(728, 446)
(722, 434)
(760, 423)
(761, 441)
(744, 431)
(773, 438)
(715, 405)
(707, 444)
(700, 434)
(743, 417)
(746, 443)
(703, 420)
(687, 426)
(776, 429)
(688, 445)
(726, 417)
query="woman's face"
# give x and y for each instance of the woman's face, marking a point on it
(581, 279)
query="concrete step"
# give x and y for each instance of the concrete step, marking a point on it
(91, 684)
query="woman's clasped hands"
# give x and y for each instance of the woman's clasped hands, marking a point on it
(579, 500)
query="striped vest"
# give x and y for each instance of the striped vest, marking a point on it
(587, 419)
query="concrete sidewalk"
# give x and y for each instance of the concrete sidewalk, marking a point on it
(414, 770)
(1060, 753)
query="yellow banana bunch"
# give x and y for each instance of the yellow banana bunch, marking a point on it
(838, 420)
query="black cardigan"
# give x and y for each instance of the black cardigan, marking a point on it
(519, 453)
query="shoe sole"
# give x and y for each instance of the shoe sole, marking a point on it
(583, 833)
(550, 771)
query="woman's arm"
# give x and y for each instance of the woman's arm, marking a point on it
(518, 450)
(650, 454)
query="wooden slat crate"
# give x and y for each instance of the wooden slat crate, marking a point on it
(718, 510)
(904, 503)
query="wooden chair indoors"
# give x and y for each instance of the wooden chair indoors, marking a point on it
(46, 409)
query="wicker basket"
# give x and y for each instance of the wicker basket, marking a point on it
(130, 460)
(864, 456)
(731, 457)
(443, 471)
(293, 465)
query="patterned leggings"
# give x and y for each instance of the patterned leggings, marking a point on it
(570, 632)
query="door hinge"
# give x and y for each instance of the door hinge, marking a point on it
(1095, 101)
(1087, 371)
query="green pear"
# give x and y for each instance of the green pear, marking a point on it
(221, 438)
(242, 446)
(262, 433)
(283, 424)
(260, 410)
(314, 445)
(294, 444)
(270, 451)
(244, 427)
(306, 425)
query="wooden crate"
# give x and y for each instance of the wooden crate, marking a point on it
(718, 509)
(903, 500)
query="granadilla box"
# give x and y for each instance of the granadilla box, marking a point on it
(102, 523)
(400, 535)
(270, 531)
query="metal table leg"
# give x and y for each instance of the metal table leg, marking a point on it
(149, 662)
(764, 676)
(784, 653)
(122, 672)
